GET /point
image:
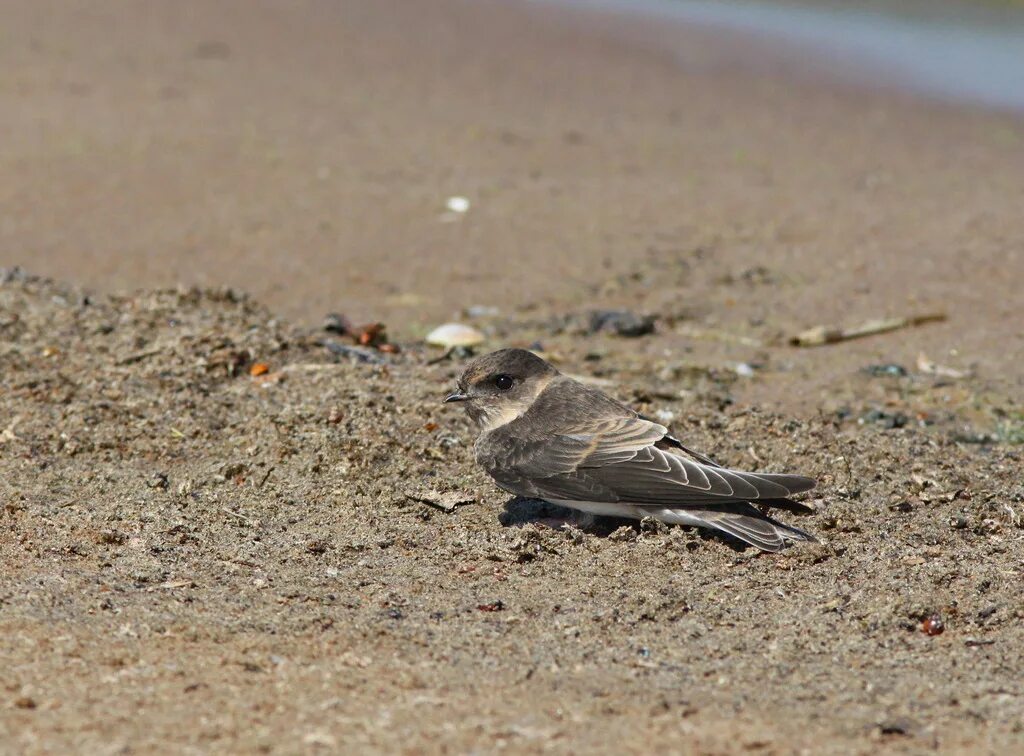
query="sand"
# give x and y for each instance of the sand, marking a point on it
(198, 559)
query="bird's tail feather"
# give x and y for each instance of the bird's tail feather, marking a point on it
(750, 526)
(787, 504)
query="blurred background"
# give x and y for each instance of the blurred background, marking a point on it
(770, 165)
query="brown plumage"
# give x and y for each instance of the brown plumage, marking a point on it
(546, 436)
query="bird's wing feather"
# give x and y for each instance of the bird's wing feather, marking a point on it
(617, 461)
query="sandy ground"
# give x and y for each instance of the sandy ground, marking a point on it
(194, 558)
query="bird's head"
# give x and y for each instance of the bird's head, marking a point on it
(499, 387)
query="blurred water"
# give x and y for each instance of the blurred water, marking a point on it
(943, 48)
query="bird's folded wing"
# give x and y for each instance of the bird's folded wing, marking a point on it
(617, 461)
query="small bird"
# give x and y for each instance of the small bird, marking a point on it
(546, 436)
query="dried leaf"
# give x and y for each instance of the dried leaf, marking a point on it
(446, 502)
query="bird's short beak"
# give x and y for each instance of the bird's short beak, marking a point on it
(456, 397)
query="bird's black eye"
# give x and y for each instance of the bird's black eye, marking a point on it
(503, 382)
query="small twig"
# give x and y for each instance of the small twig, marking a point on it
(849, 471)
(173, 584)
(138, 357)
(820, 335)
(264, 478)
(239, 515)
(449, 508)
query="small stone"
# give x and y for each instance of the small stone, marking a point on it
(111, 537)
(933, 625)
(337, 323)
(355, 353)
(623, 534)
(907, 505)
(317, 546)
(884, 371)
(457, 204)
(888, 420)
(621, 323)
(158, 480)
(987, 612)
(652, 526)
(899, 726)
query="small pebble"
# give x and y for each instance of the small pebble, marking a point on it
(933, 625)
(896, 727)
(882, 371)
(336, 323)
(889, 420)
(457, 204)
(621, 323)
(359, 354)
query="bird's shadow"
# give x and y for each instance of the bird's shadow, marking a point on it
(520, 511)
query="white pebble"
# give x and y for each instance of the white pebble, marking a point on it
(457, 204)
